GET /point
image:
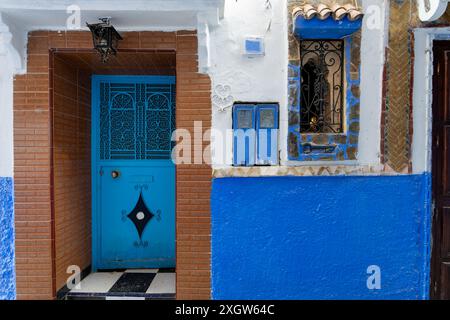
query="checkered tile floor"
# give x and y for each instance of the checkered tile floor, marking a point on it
(135, 284)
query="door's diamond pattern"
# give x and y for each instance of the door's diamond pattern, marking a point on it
(140, 215)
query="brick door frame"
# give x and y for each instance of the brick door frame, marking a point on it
(34, 183)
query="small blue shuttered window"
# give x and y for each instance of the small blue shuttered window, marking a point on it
(255, 134)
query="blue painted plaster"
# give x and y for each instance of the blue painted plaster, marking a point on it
(7, 274)
(325, 29)
(314, 237)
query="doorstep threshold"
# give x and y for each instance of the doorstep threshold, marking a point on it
(118, 296)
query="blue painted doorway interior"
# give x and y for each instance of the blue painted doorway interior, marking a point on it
(133, 176)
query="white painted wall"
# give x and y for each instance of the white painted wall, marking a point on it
(258, 79)
(131, 15)
(6, 122)
(10, 63)
(264, 79)
(373, 43)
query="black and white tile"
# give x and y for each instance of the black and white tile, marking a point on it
(130, 284)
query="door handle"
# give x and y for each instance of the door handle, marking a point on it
(115, 174)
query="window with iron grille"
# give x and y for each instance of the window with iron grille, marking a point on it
(321, 98)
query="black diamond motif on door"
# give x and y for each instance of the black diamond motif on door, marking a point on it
(140, 215)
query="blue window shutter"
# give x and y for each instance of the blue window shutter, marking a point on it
(244, 135)
(267, 134)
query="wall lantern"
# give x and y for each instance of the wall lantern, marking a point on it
(105, 38)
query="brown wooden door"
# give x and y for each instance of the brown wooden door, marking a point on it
(440, 265)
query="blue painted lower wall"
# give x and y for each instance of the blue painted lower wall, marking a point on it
(315, 237)
(7, 274)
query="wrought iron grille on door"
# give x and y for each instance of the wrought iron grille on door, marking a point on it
(136, 121)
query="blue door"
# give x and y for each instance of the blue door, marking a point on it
(133, 176)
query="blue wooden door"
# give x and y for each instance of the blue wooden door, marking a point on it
(133, 176)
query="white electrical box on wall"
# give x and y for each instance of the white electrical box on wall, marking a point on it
(254, 46)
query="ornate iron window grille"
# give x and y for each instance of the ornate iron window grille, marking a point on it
(321, 101)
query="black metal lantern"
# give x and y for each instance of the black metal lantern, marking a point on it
(105, 38)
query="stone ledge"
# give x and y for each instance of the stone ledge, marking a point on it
(318, 170)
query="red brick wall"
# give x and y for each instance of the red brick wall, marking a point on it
(32, 154)
(72, 170)
(193, 181)
(39, 261)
